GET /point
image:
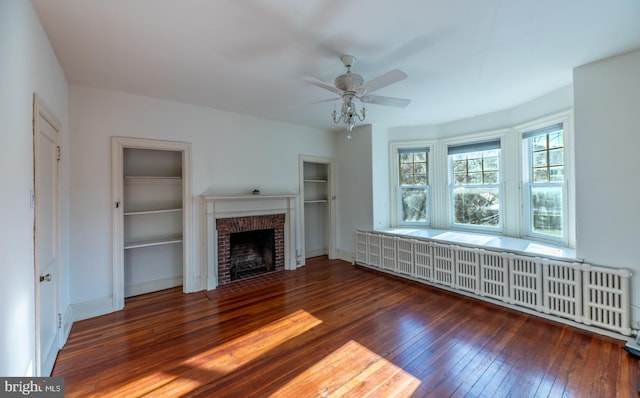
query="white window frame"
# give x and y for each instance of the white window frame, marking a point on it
(396, 198)
(568, 206)
(513, 199)
(499, 185)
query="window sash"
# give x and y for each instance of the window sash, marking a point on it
(413, 193)
(407, 207)
(483, 213)
(545, 222)
(541, 218)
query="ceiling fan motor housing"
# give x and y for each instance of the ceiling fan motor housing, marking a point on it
(349, 81)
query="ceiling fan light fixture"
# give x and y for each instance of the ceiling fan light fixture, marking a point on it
(348, 114)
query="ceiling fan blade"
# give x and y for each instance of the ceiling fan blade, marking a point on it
(393, 76)
(388, 101)
(315, 102)
(322, 84)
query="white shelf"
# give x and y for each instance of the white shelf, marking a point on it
(152, 177)
(134, 213)
(155, 242)
(317, 181)
(316, 201)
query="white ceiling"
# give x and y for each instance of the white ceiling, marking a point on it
(463, 57)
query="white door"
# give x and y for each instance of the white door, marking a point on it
(47, 236)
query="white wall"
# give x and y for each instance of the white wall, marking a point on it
(607, 138)
(231, 154)
(553, 102)
(380, 177)
(354, 187)
(28, 65)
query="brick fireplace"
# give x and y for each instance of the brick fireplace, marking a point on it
(252, 251)
(237, 214)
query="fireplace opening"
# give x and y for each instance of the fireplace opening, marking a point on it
(252, 253)
(238, 225)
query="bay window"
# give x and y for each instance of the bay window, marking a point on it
(516, 182)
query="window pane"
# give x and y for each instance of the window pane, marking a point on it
(406, 174)
(407, 168)
(475, 165)
(491, 164)
(406, 157)
(539, 159)
(477, 206)
(556, 174)
(460, 166)
(539, 143)
(406, 179)
(474, 178)
(460, 178)
(540, 175)
(420, 157)
(555, 140)
(546, 210)
(490, 177)
(414, 205)
(556, 157)
(420, 168)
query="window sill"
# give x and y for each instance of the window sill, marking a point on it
(489, 242)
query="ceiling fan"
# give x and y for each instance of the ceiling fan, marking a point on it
(351, 86)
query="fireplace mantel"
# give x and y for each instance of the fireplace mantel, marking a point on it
(228, 206)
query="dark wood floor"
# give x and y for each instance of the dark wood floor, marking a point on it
(333, 329)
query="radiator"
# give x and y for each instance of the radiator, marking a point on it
(583, 293)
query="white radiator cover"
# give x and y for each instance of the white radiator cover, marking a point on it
(583, 293)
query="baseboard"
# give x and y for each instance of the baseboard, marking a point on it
(92, 308)
(67, 323)
(315, 253)
(152, 286)
(346, 255)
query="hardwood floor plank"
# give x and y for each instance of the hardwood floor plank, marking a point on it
(334, 329)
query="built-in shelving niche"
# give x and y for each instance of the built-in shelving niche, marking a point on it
(318, 206)
(152, 225)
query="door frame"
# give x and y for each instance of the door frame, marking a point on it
(331, 202)
(118, 145)
(40, 109)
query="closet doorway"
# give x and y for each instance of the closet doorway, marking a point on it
(151, 217)
(317, 212)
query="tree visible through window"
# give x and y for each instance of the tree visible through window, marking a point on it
(475, 184)
(413, 178)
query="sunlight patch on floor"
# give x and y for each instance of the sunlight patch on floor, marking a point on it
(221, 360)
(351, 370)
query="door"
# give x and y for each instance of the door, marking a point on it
(46, 147)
